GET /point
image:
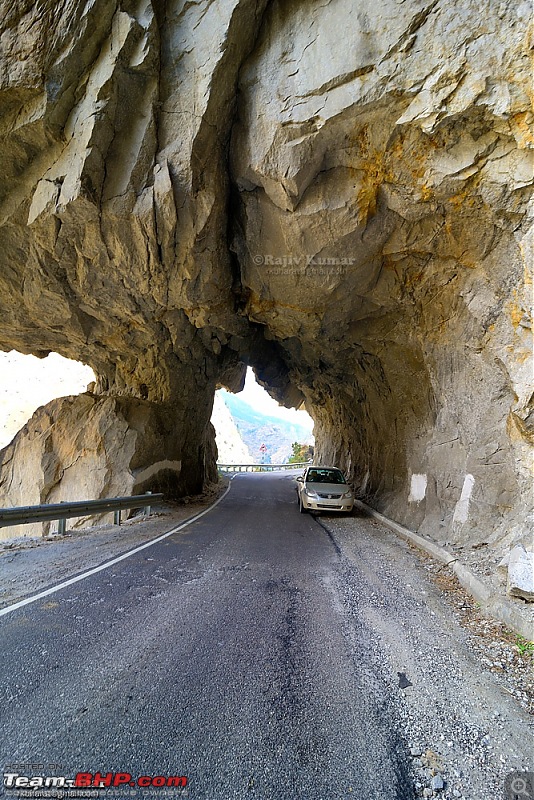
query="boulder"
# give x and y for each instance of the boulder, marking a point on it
(521, 573)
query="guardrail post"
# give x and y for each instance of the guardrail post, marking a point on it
(117, 517)
(62, 524)
(146, 509)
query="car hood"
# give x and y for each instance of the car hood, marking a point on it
(328, 488)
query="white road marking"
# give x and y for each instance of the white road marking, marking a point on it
(417, 488)
(107, 564)
(461, 509)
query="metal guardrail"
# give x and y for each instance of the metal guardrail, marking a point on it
(260, 467)
(64, 511)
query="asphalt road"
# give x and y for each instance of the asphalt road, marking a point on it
(220, 654)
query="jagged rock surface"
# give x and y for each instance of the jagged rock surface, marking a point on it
(382, 233)
(192, 186)
(84, 447)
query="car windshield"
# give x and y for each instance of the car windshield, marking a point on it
(325, 476)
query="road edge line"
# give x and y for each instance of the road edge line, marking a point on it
(70, 581)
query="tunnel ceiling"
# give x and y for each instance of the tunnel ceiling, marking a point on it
(336, 193)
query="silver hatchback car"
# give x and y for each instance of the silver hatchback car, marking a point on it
(324, 489)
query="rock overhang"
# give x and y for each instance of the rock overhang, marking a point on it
(191, 189)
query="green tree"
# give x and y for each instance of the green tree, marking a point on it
(301, 452)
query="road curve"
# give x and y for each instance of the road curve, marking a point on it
(219, 654)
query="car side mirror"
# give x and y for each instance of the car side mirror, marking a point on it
(300, 478)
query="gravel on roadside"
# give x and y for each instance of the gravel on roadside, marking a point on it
(457, 683)
(508, 656)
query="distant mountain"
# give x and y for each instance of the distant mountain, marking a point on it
(230, 446)
(256, 429)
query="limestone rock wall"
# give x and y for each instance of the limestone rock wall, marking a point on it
(336, 193)
(84, 447)
(383, 233)
(96, 263)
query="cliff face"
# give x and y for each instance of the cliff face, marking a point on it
(381, 228)
(336, 193)
(86, 446)
(231, 449)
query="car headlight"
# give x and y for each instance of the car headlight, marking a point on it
(311, 494)
(347, 494)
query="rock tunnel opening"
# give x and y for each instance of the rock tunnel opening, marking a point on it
(27, 383)
(253, 428)
(231, 188)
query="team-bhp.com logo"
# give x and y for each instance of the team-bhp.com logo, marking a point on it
(89, 780)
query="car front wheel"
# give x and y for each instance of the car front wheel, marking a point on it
(301, 507)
